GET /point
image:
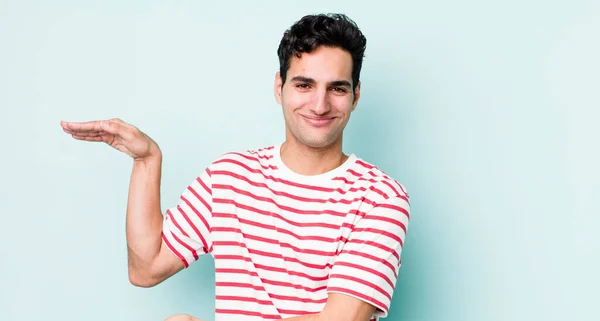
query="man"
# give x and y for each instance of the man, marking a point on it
(298, 231)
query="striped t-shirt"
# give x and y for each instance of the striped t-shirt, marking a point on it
(282, 241)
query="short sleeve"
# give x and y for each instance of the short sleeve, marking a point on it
(186, 226)
(367, 266)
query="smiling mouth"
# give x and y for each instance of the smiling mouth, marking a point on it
(318, 122)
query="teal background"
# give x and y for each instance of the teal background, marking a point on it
(487, 111)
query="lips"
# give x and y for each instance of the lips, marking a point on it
(318, 122)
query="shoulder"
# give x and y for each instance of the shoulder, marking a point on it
(246, 159)
(382, 187)
(385, 196)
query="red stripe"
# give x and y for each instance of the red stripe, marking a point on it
(295, 299)
(282, 270)
(199, 198)
(279, 180)
(241, 298)
(271, 295)
(290, 246)
(395, 208)
(240, 285)
(192, 225)
(351, 171)
(375, 175)
(391, 187)
(358, 295)
(256, 238)
(261, 302)
(253, 159)
(251, 236)
(270, 268)
(291, 259)
(248, 313)
(295, 286)
(374, 258)
(343, 179)
(382, 232)
(363, 282)
(175, 223)
(273, 255)
(296, 312)
(269, 281)
(265, 148)
(282, 207)
(164, 237)
(385, 219)
(267, 213)
(280, 193)
(232, 174)
(378, 191)
(365, 165)
(370, 180)
(232, 257)
(368, 201)
(366, 269)
(249, 208)
(278, 242)
(377, 245)
(189, 248)
(200, 215)
(259, 155)
(281, 230)
(204, 186)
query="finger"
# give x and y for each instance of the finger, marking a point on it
(92, 134)
(82, 126)
(85, 133)
(88, 138)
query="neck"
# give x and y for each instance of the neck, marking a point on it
(305, 160)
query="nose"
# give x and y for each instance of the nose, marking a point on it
(321, 104)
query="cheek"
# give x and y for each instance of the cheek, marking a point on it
(294, 100)
(342, 105)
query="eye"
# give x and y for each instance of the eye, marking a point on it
(302, 86)
(340, 90)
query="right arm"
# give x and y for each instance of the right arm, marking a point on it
(149, 260)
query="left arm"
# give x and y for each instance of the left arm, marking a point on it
(340, 307)
(364, 274)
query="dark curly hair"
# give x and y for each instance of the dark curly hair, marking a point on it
(312, 31)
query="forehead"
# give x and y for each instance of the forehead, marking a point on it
(322, 64)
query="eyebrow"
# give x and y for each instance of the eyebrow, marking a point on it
(341, 83)
(335, 83)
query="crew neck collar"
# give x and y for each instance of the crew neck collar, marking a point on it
(287, 172)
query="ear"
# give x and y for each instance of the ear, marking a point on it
(356, 96)
(277, 88)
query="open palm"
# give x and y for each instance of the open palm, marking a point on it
(116, 133)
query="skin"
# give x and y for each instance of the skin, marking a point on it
(317, 100)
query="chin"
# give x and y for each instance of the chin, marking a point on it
(318, 143)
